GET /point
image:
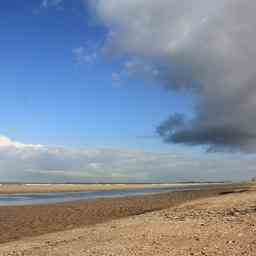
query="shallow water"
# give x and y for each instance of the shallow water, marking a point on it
(60, 197)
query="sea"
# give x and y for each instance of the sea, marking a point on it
(61, 197)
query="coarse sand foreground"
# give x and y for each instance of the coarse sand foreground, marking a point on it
(19, 222)
(221, 225)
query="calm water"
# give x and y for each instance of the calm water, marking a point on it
(47, 198)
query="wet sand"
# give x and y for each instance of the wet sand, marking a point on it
(17, 222)
(222, 224)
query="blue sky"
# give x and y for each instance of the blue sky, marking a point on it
(49, 98)
(85, 84)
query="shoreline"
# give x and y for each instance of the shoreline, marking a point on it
(54, 188)
(19, 222)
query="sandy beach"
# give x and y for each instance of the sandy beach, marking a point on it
(216, 222)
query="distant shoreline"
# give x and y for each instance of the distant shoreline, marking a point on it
(7, 188)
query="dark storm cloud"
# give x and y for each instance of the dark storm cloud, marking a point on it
(204, 47)
(177, 130)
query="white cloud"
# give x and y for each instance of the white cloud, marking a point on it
(6, 142)
(83, 55)
(117, 78)
(37, 163)
(51, 3)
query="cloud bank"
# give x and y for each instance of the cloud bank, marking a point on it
(37, 163)
(204, 47)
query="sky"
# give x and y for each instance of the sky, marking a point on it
(144, 90)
